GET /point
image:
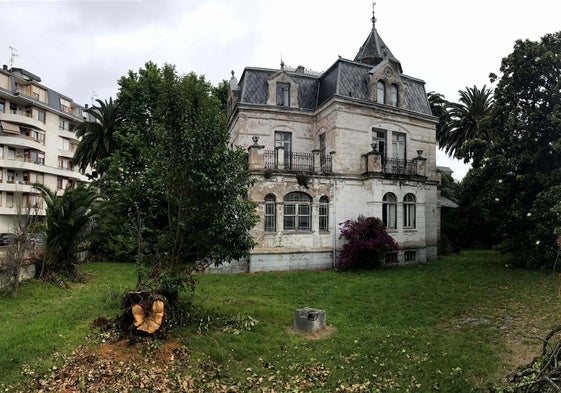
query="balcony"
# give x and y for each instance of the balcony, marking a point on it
(278, 159)
(395, 166)
(373, 163)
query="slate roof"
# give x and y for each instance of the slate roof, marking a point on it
(345, 78)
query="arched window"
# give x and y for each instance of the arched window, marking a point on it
(409, 211)
(324, 214)
(381, 93)
(393, 95)
(270, 215)
(389, 210)
(297, 212)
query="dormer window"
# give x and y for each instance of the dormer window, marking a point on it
(381, 92)
(283, 94)
(393, 95)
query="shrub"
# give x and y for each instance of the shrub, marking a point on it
(367, 242)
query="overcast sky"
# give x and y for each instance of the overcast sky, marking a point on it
(82, 47)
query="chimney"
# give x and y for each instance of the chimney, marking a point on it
(5, 67)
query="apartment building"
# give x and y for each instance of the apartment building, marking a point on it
(325, 147)
(37, 142)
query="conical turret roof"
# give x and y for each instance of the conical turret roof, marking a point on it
(374, 50)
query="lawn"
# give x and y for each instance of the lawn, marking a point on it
(452, 325)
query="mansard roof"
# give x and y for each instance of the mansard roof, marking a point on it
(345, 78)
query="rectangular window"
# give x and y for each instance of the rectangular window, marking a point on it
(270, 216)
(284, 139)
(322, 147)
(379, 141)
(11, 176)
(391, 257)
(42, 116)
(63, 124)
(409, 216)
(409, 256)
(39, 178)
(289, 217)
(11, 153)
(283, 94)
(35, 156)
(2, 106)
(398, 146)
(63, 144)
(64, 163)
(9, 199)
(65, 105)
(59, 183)
(323, 215)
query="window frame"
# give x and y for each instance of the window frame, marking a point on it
(283, 93)
(397, 153)
(389, 210)
(409, 211)
(394, 95)
(381, 92)
(323, 214)
(270, 213)
(297, 212)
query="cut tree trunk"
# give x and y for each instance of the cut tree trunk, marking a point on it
(147, 311)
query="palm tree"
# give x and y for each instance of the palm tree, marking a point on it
(461, 134)
(97, 140)
(67, 218)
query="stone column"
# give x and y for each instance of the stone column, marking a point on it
(421, 163)
(256, 155)
(317, 160)
(280, 157)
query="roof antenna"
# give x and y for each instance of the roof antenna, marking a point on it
(94, 95)
(282, 63)
(13, 55)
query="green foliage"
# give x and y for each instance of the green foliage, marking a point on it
(459, 131)
(97, 136)
(515, 183)
(173, 184)
(67, 221)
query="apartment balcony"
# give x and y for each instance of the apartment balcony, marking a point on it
(19, 140)
(22, 118)
(280, 160)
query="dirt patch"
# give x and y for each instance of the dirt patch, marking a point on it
(317, 335)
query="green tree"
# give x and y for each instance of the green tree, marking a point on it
(68, 217)
(97, 140)
(461, 134)
(174, 175)
(520, 172)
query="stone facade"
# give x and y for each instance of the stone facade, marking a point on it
(358, 139)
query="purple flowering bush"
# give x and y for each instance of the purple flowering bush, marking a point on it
(367, 242)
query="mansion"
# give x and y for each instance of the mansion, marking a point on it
(357, 139)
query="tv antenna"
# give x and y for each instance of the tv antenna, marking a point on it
(13, 55)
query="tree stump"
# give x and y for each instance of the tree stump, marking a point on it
(146, 311)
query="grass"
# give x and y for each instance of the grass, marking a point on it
(450, 325)
(45, 319)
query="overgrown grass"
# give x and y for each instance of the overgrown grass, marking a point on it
(450, 325)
